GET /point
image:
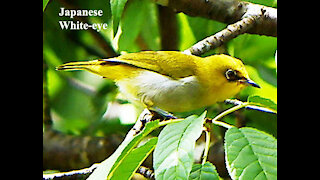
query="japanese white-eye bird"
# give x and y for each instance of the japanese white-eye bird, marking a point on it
(170, 80)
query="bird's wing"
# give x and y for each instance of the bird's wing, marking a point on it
(170, 63)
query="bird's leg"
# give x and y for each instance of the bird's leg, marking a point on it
(144, 117)
(163, 113)
(150, 114)
(155, 110)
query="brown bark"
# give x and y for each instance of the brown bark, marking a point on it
(227, 11)
(168, 28)
(66, 152)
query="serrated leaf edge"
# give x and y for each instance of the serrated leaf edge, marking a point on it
(257, 157)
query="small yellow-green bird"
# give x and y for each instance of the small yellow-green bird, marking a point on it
(170, 80)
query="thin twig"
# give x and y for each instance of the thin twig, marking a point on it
(250, 106)
(82, 172)
(224, 113)
(206, 149)
(220, 123)
(216, 40)
(146, 172)
(228, 111)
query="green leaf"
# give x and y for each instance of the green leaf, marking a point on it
(150, 28)
(186, 35)
(250, 154)
(204, 172)
(45, 2)
(117, 7)
(173, 156)
(134, 159)
(264, 102)
(131, 24)
(109, 165)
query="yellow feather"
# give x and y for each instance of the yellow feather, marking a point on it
(170, 80)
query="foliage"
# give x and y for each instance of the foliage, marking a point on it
(80, 102)
(250, 154)
(111, 164)
(204, 171)
(173, 156)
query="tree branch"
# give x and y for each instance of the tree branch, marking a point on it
(228, 11)
(168, 28)
(67, 152)
(223, 36)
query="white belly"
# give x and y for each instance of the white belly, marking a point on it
(154, 89)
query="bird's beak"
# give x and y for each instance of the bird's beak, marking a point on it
(251, 83)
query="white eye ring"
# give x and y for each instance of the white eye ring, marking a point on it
(231, 75)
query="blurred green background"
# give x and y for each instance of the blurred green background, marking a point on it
(85, 104)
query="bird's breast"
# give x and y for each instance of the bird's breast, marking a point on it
(154, 89)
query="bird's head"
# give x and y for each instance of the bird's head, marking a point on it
(238, 74)
(229, 70)
(224, 75)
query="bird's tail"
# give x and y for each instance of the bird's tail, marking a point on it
(107, 68)
(82, 65)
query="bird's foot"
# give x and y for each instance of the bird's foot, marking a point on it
(161, 114)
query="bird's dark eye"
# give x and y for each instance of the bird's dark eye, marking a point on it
(231, 75)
